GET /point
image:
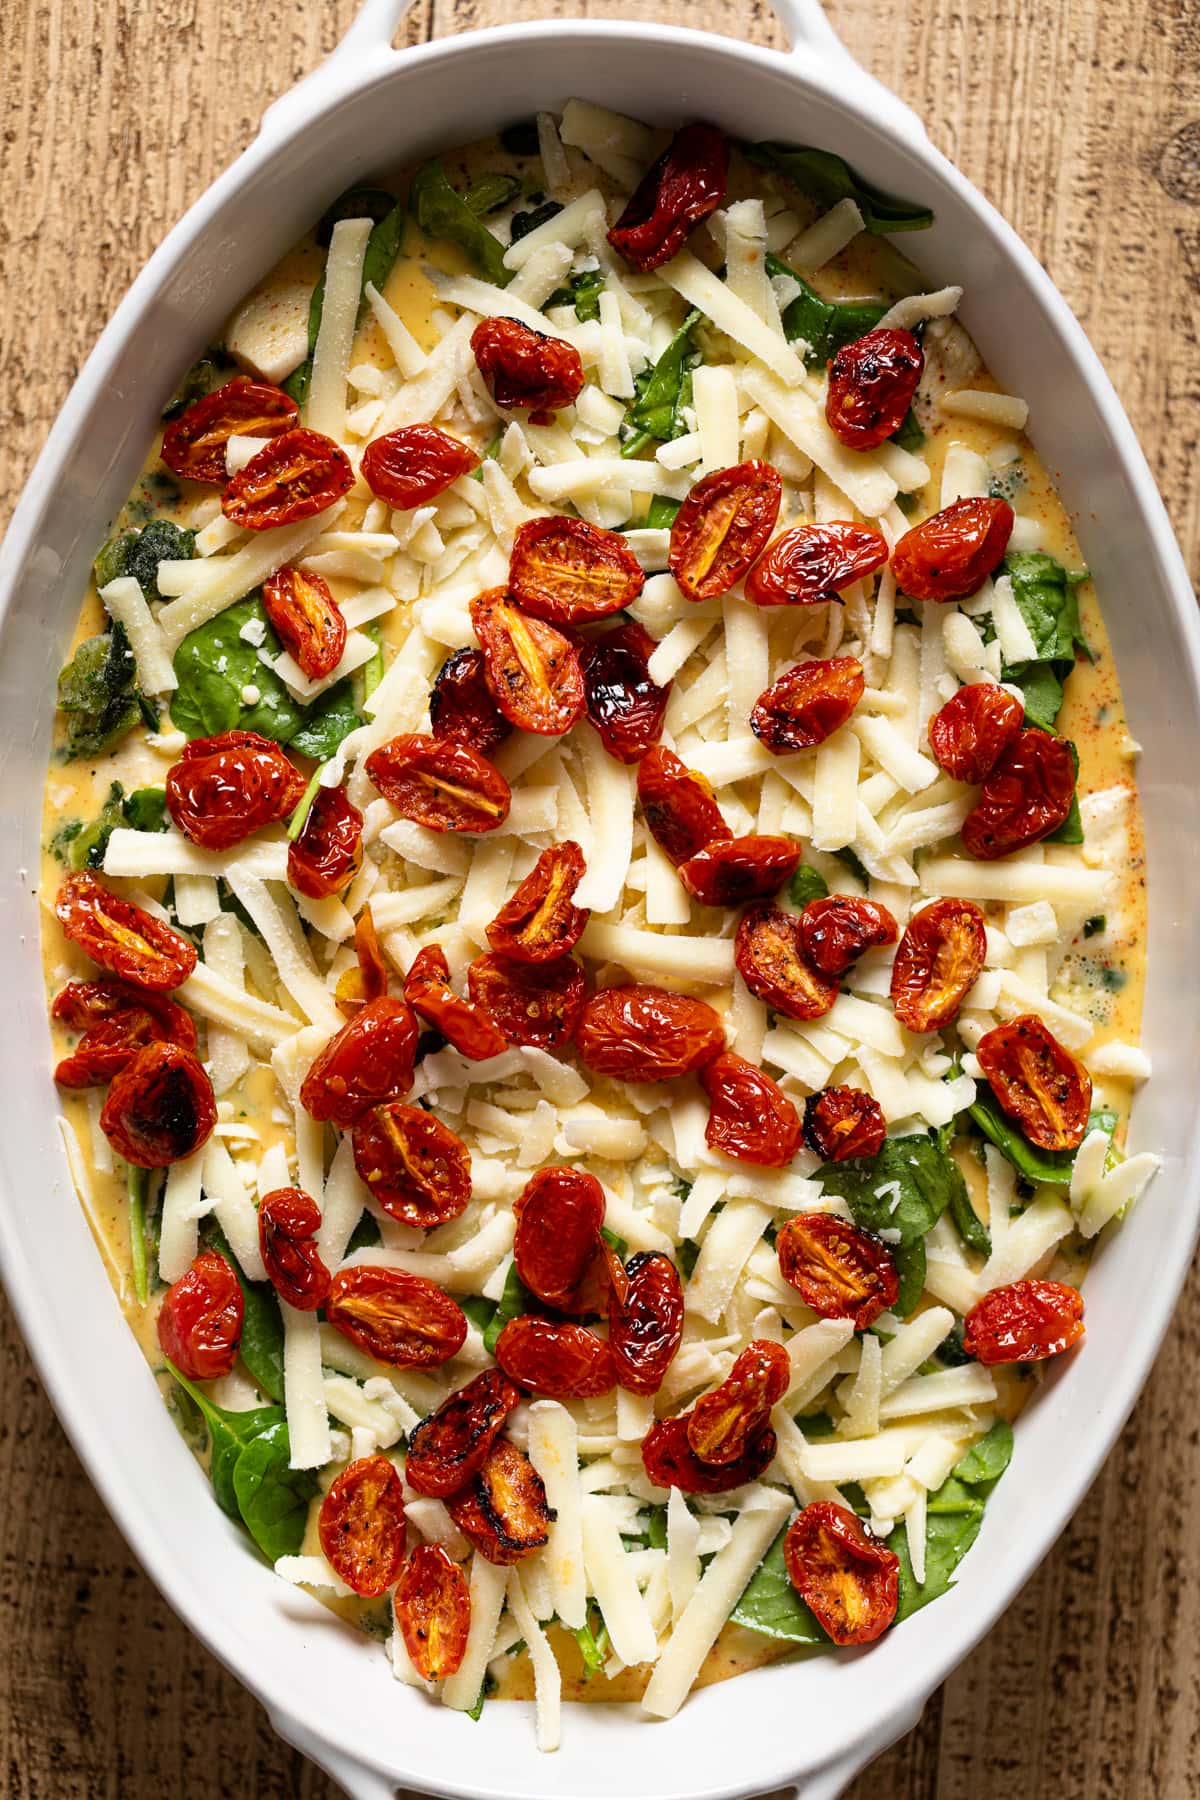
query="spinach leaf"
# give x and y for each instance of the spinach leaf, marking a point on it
(525, 222)
(656, 1530)
(261, 1348)
(98, 692)
(1041, 689)
(771, 1606)
(807, 884)
(593, 1644)
(917, 1176)
(660, 514)
(955, 1514)
(969, 1226)
(229, 1433)
(138, 554)
(829, 178)
(383, 247)
(986, 1461)
(86, 847)
(272, 1497)
(489, 193)
(515, 1300)
(211, 371)
(1045, 595)
(1071, 829)
(356, 203)
(441, 213)
(911, 1265)
(687, 1255)
(146, 809)
(479, 1310)
(824, 325)
(661, 393)
(583, 292)
(137, 1185)
(366, 1235)
(910, 436)
(1035, 1165)
(331, 717)
(850, 861)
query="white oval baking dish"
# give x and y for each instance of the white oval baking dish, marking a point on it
(808, 1727)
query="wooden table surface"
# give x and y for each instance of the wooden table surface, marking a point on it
(1080, 119)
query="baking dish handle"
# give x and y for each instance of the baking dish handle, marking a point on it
(811, 35)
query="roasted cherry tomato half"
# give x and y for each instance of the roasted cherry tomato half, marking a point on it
(416, 1167)
(736, 870)
(948, 556)
(328, 852)
(532, 670)
(1026, 795)
(871, 385)
(451, 1445)
(540, 923)
(1037, 1082)
(749, 1116)
(160, 1107)
(121, 937)
(436, 782)
(678, 806)
(643, 1033)
(526, 370)
(568, 572)
(367, 980)
(969, 733)
(723, 527)
(842, 1572)
(368, 1061)
(769, 959)
(835, 931)
(362, 1525)
(223, 788)
(811, 564)
(840, 1270)
(562, 1360)
(807, 704)
(288, 1223)
(670, 1461)
(116, 1020)
(307, 618)
(623, 704)
(645, 1320)
(724, 1423)
(194, 444)
(294, 476)
(461, 705)
(530, 1003)
(427, 990)
(559, 1215)
(200, 1320)
(676, 193)
(843, 1122)
(937, 961)
(409, 467)
(432, 1603)
(503, 1510)
(1024, 1322)
(397, 1318)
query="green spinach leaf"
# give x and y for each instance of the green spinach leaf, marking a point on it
(911, 1265)
(515, 1300)
(331, 717)
(99, 694)
(660, 514)
(905, 1188)
(1038, 1166)
(229, 1434)
(661, 393)
(272, 1497)
(441, 213)
(854, 863)
(771, 1606)
(87, 845)
(529, 220)
(824, 326)
(210, 371)
(807, 884)
(829, 178)
(1045, 595)
(954, 1516)
(261, 1348)
(583, 292)
(489, 193)
(383, 247)
(146, 809)
(138, 554)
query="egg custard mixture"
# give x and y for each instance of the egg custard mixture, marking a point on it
(594, 907)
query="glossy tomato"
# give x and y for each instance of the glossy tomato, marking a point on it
(968, 734)
(1027, 794)
(1027, 1321)
(362, 1525)
(568, 572)
(433, 1611)
(294, 476)
(224, 788)
(397, 1318)
(843, 1122)
(416, 1167)
(811, 564)
(503, 1510)
(1037, 1082)
(769, 959)
(121, 937)
(736, 870)
(463, 1024)
(436, 782)
(840, 1270)
(722, 527)
(116, 1021)
(160, 1107)
(842, 1572)
(937, 961)
(530, 1003)
(461, 705)
(369, 1060)
(948, 556)
(670, 1461)
(871, 386)
(559, 1215)
(367, 979)
(623, 704)
(451, 1445)
(200, 1320)
(194, 444)
(541, 923)
(836, 930)
(643, 1033)
(807, 704)
(526, 370)
(415, 464)
(328, 852)
(307, 618)
(288, 1223)
(749, 1116)
(722, 1425)
(678, 806)
(645, 1320)
(531, 669)
(561, 1360)
(680, 189)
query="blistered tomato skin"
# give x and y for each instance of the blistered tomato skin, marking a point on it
(224, 788)
(1027, 1321)
(427, 990)
(843, 1122)
(503, 1510)
(367, 979)
(737, 870)
(969, 733)
(948, 556)
(559, 1215)
(563, 1361)
(436, 782)
(1026, 795)
(121, 937)
(432, 1604)
(294, 476)
(683, 187)
(328, 852)
(307, 618)
(645, 1320)
(840, 1270)
(160, 1107)
(397, 1318)
(769, 958)
(842, 1572)
(1037, 1082)
(807, 704)
(369, 1060)
(412, 466)
(678, 806)
(811, 564)
(644, 1033)
(451, 1445)
(531, 669)
(626, 707)
(871, 385)
(835, 931)
(116, 1021)
(362, 1526)
(541, 923)
(288, 1222)
(670, 1461)
(568, 572)
(200, 1320)
(723, 527)
(194, 444)
(722, 1425)
(525, 370)
(530, 1003)
(749, 1116)
(461, 705)
(416, 1167)
(937, 961)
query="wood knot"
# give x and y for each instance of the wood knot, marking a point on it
(1179, 165)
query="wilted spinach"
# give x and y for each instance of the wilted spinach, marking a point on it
(829, 178)
(99, 694)
(1046, 599)
(441, 212)
(661, 393)
(261, 1347)
(1035, 1165)
(583, 292)
(807, 884)
(824, 325)
(138, 554)
(272, 1497)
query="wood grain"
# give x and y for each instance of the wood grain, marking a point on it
(1081, 120)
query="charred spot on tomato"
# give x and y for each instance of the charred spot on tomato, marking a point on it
(871, 386)
(645, 1320)
(461, 705)
(670, 1461)
(807, 704)
(160, 1107)
(503, 1510)
(451, 1445)
(526, 370)
(361, 1525)
(835, 931)
(625, 706)
(768, 956)
(843, 1122)
(678, 805)
(811, 564)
